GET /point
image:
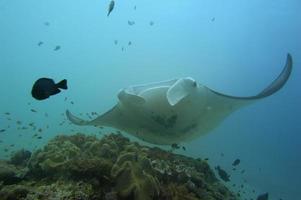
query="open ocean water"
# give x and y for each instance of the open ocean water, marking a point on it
(236, 47)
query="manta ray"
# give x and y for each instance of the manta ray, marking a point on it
(175, 111)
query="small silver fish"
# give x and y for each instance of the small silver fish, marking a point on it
(111, 7)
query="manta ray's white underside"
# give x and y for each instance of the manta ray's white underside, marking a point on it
(176, 110)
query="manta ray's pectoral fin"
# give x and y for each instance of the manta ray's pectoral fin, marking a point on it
(76, 120)
(106, 119)
(276, 85)
(279, 82)
(222, 104)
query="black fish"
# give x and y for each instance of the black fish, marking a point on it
(175, 146)
(264, 196)
(40, 43)
(236, 162)
(111, 7)
(45, 87)
(223, 174)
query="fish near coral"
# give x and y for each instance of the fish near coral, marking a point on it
(236, 162)
(223, 174)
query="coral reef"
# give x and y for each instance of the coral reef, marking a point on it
(20, 157)
(133, 175)
(111, 168)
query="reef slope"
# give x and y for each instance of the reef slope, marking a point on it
(81, 167)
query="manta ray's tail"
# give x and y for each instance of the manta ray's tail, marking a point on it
(76, 120)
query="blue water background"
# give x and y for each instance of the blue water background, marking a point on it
(239, 53)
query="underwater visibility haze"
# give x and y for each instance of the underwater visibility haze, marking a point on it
(172, 76)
